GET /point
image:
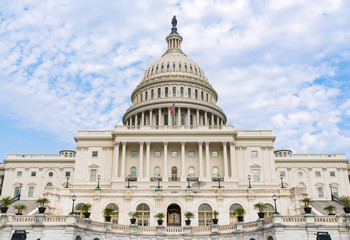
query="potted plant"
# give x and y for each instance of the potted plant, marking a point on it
(215, 220)
(188, 215)
(42, 202)
(5, 201)
(261, 207)
(133, 216)
(20, 207)
(330, 209)
(240, 212)
(346, 202)
(307, 202)
(160, 217)
(85, 209)
(108, 212)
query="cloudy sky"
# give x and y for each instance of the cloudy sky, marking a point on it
(72, 65)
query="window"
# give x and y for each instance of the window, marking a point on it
(282, 173)
(191, 120)
(159, 92)
(233, 216)
(93, 175)
(269, 211)
(318, 174)
(189, 92)
(332, 174)
(115, 215)
(166, 120)
(152, 94)
(300, 174)
(202, 95)
(144, 214)
(204, 215)
(335, 191)
(30, 191)
(146, 95)
(157, 171)
(183, 119)
(181, 91)
(49, 184)
(214, 154)
(174, 173)
(191, 154)
(141, 97)
(207, 97)
(191, 172)
(133, 172)
(133, 154)
(174, 90)
(157, 154)
(67, 174)
(94, 154)
(320, 192)
(301, 184)
(196, 93)
(33, 174)
(50, 174)
(254, 153)
(174, 154)
(215, 172)
(19, 174)
(166, 92)
(16, 191)
(77, 210)
(255, 173)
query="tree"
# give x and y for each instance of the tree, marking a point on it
(42, 201)
(20, 207)
(330, 209)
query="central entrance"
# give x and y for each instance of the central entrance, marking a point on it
(174, 215)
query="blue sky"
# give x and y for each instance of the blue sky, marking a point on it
(72, 65)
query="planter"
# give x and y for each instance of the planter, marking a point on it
(307, 209)
(261, 214)
(42, 209)
(240, 218)
(86, 214)
(132, 220)
(18, 213)
(4, 209)
(215, 220)
(160, 222)
(108, 218)
(331, 213)
(346, 209)
(188, 222)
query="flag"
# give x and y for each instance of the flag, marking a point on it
(172, 109)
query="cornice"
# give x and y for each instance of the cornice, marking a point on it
(101, 138)
(44, 160)
(256, 137)
(305, 160)
(181, 133)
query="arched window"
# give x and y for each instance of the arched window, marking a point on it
(144, 213)
(115, 215)
(196, 93)
(191, 120)
(146, 95)
(207, 97)
(183, 119)
(204, 215)
(141, 97)
(174, 91)
(159, 92)
(174, 173)
(77, 210)
(49, 184)
(165, 119)
(269, 210)
(152, 94)
(166, 92)
(78, 238)
(233, 216)
(215, 172)
(202, 95)
(189, 92)
(133, 172)
(181, 91)
(156, 171)
(301, 184)
(157, 120)
(191, 172)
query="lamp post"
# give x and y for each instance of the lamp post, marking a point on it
(73, 199)
(188, 181)
(98, 182)
(330, 186)
(274, 197)
(67, 182)
(219, 179)
(249, 177)
(158, 179)
(20, 191)
(128, 178)
(281, 181)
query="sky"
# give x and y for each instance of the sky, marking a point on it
(72, 65)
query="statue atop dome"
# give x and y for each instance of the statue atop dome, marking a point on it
(174, 23)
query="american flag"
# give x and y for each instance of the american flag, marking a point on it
(172, 109)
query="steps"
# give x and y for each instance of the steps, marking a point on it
(320, 204)
(31, 205)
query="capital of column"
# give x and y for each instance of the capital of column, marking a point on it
(183, 143)
(200, 143)
(148, 143)
(165, 143)
(232, 144)
(141, 143)
(124, 143)
(224, 143)
(207, 143)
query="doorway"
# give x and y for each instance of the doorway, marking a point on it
(174, 215)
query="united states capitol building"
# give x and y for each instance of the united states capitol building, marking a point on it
(174, 153)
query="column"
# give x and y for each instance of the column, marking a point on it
(150, 117)
(233, 160)
(178, 116)
(165, 164)
(183, 166)
(159, 117)
(212, 119)
(170, 118)
(122, 174)
(197, 117)
(200, 144)
(206, 118)
(224, 149)
(217, 121)
(142, 118)
(115, 160)
(136, 123)
(188, 117)
(148, 150)
(207, 160)
(141, 160)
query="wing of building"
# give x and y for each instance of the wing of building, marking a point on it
(174, 154)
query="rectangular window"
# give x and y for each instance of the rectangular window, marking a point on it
(254, 153)
(332, 174)
(33, 174)
(318, 174)
(282, 173)
(134, 154)
(19, 174)
(191, 154)
(320, 191)
(16, 191)
(335, 191)
(174, 154)
(93, 175)
(94, 154)
(214, 154)
(157, 154)
(256, 176)
(30, 191)
(67, 174)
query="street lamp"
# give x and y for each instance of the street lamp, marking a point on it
(98, 182)
(128, 179)
(73, 199)
(158, 179)
(281, 181)
(219, 179)
(330, 186)
(67, 182)
(188, 181)
(274, 197)
(20, 191)
(249, 177)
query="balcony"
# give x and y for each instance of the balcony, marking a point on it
(131, 179)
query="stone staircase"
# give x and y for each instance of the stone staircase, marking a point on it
(31, 205)
(320, 204)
